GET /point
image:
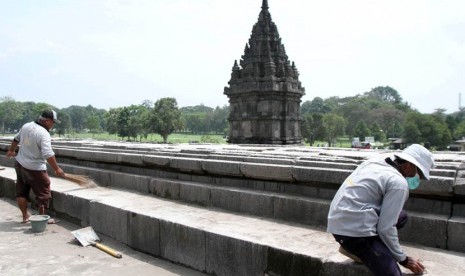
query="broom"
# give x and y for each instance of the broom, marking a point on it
(81, 180)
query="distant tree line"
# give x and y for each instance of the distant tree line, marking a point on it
(135, 122)
(380, 113)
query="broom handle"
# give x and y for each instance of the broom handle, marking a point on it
(108, 250)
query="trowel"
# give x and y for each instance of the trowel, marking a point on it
(87, 236)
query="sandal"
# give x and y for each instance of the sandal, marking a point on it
(53, 221)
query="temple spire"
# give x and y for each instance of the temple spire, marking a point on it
(264, 90)
(265, 5)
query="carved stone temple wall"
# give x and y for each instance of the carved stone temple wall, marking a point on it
(264, 90)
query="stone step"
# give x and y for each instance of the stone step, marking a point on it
(215, 241)
(431, 222)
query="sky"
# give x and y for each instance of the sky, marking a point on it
(110, 54)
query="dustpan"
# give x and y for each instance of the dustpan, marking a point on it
(87, 236)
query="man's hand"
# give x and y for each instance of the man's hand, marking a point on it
(414, 265)
(59, 172)
(10, 153)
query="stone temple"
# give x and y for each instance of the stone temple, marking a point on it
(264, 90)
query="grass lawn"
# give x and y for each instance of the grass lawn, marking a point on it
(179, 138)
(175, 138)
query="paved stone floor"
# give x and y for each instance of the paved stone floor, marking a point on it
(56, 252)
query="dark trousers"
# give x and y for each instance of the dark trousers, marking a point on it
(372, 251)
(38, 181)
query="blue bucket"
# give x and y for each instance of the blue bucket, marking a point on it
(39, 222)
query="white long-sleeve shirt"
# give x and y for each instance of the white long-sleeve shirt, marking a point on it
(35, 146)
(369, 202)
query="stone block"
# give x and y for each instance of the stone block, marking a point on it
(444, 172)
(64, 152)
(144, 233)
(229, 256)
(302, 210)
(424, 205)
(312, 189)
(156, 160)
(232, 182)
(323, 164)
(7, 187)
(186, 164)
(221, 167)
(197, 151)
(59, 202)
(168, 175)
(131, 158)
(110, 220)
(197, 194)
(437, 186)
(102, 177)
(263, 185)
(458, 209)
(185, 177)
(71, 205)
(130, 182)
(266, 171)
(269, 160)
(188, 155)
(320, 175)
(182, 244)
(99, 156)
(344, 269)
(459, 187)
(284, 263)
(455, 234)
(243, 201)
(6, 161)
(208, 179)
(425, 229)
(236, 158)
(164, 188)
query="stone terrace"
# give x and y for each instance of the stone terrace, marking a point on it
(243, 209)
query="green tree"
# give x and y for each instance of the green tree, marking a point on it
(218, 119)
(122, 121)
(412, 134)
(317, 105)
(459, 131)
(353, 111)
(196, 109)
(10, 111)
(78, 117)
(195, 122)
(377, 132)
(362, 130)
(65, 123)
(136, 121)
(308, 133)
(334, 126)
(389, 119)
(433, 129)
(317, 126)
(384, 94)
(111, 118)
(92, 123)
(166, 117)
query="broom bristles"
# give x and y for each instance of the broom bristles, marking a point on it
(78, 179)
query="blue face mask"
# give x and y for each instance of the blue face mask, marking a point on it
(413, 182)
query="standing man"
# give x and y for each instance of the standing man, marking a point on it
(367, 210)
(31, 169)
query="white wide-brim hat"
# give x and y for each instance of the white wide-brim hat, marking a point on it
(419, 156)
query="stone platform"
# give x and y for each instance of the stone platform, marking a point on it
(243, 210)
